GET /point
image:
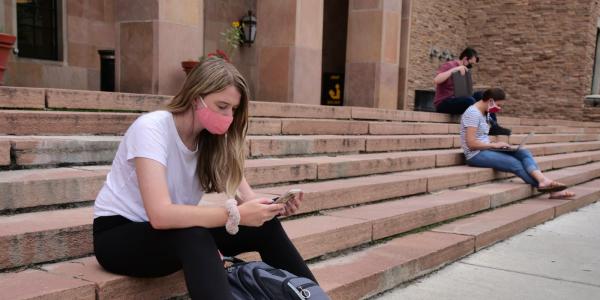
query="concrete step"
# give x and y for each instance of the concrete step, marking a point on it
(356, 275)
(41, 187)
(371, 271)
(19, 122)
(30, 151)
(66, 233)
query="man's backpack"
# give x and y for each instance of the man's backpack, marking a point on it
(257, 280)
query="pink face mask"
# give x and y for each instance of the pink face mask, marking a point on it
(493, 108)
(214, 122)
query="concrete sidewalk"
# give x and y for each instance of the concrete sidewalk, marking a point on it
(556, 260)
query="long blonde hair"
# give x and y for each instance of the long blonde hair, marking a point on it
(221, 157)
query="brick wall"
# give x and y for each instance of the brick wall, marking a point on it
(541, 52)
(434, 23)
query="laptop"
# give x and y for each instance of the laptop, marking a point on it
(463, 85)
(514, 149)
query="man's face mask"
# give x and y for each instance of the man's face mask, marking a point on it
(492, 107)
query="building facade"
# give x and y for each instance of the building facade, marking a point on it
(373, 53)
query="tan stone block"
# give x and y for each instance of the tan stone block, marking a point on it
(4, 153)
(378, 114)
(275, 76)
(30, 151)
(502, 193)
(307, 70)
(289, 145)
(17, 97)
(290, 110)
(499, 224)
(264, 126)
(309, 26)
(136, 56)
(344, 192)
(445, 158)
(573, 159)
(397, 143)
(174, 43)
(274, 170)
(367, 164)
(280, 31)
(185, 12)
(365, 4)
(394, 217)
(318, 235)
(62, 123)
(383, 267)
(364, 36)
(443, 178)
(30, 188)
(45, 236)
(312, 127)
(387, 85)
(36, 284)
(391, 37)
(392, 128)
(360, 84)
(137, 10)
(112, 286)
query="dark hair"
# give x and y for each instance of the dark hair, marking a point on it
(469, 53)
(494, 93)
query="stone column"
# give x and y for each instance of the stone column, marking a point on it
(153, 37)
(290, 42)
(372, 53)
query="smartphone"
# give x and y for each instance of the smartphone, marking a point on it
(283, 199)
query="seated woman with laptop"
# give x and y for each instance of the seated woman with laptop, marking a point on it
(481, 152)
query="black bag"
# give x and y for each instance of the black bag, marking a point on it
(257, 280)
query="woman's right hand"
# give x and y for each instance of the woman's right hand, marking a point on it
(257, 211)
(499, 145)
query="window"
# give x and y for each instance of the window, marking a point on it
(37, 29)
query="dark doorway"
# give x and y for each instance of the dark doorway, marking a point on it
(335, 31)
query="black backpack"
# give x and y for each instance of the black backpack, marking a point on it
(257, 280)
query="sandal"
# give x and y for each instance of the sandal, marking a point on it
(563, 195)
(554, 186)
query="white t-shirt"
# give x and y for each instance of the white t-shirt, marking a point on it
(472, 117)
(154, 136)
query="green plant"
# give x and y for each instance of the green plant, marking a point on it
(232, 37)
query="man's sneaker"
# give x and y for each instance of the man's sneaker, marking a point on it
(499, 130)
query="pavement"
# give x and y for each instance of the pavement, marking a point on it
(559, 259)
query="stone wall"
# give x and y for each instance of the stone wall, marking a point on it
(217, 18)
(540, 52)
(434, 23)
(88, 25)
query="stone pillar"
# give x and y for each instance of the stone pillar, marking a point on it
(372, 53)
(153, 37)
(290, 42)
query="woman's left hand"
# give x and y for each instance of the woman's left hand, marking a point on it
(293, 205)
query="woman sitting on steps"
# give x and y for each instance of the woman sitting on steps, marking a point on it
(480, 152)
(147, 221)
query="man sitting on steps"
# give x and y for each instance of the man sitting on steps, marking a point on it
(447, 101)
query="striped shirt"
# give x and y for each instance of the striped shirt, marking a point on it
(472, 117)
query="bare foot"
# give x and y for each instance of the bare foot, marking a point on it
(562, 195)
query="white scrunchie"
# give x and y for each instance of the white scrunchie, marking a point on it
(234, 216)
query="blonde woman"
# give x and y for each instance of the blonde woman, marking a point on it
(146, 219)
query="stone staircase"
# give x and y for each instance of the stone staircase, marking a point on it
(387, 195)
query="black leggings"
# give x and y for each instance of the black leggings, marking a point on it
(136, 249)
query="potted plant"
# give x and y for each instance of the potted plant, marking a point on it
(232, 37)
(6, 44)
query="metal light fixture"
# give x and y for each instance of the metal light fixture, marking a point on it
(249, 28)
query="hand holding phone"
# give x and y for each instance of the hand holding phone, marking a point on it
(283, 199)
